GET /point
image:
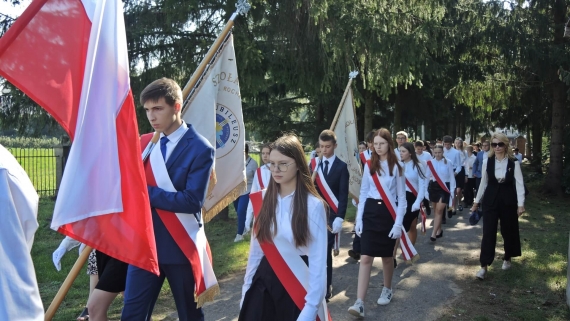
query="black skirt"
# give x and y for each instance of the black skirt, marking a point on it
(267, 298)
(437, 194)
(112, 273)
(460, 178)
(377, 222)
(410, 216)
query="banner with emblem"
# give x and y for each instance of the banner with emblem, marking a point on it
(344, 126)
(214, 109)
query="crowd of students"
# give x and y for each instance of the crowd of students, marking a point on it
(295, 211)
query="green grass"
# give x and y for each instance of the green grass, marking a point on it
(40, 164)
(229, 257)
(534, 288)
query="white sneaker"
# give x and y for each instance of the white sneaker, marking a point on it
(506, 265)
(385, 297)
(238, 238)
(357, 309)
(481, 274)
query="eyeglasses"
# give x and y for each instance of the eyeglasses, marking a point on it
(500, 144)
(280, 167)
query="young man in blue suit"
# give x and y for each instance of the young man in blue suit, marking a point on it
(336, 177)
(188, 158)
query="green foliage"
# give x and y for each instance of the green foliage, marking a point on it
(29, 142)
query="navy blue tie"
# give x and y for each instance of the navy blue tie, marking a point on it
(163, 141)
(326, 168)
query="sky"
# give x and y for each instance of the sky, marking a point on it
(13, 11)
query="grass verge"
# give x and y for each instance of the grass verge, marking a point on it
(534, 288)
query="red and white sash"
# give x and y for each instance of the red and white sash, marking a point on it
(422, 209)
(362, 158)
(329, 198)
(260, 179)
(289, 267)
(408, 250)
(185, 230)
(437, 178)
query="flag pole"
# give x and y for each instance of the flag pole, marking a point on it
(242, 7)
(351, 76)
(62, 292)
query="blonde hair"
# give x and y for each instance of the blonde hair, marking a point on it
(502, 138)
(402, 133)
(461, 140)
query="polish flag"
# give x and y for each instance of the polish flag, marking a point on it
(70, 56)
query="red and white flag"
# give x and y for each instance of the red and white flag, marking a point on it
(70, 56)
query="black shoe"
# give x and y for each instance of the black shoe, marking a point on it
(453, 213)
(449, 214)
(353, 254)
(395, 264)
(430, 238)
(461, 208)
(440, 235)
(329, 293)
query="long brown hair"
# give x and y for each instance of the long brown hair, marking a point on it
(410, 148)
(266, 225)
(392, 159)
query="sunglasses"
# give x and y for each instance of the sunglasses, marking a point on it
(501, 144)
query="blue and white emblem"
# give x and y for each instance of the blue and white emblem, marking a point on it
(227, 131)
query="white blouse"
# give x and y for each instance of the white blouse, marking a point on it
(255, 187)
(500, 173)
(397, 188)
(315, 249)
(415, 179)
(445, 173)
(469, 165)
(424, 157)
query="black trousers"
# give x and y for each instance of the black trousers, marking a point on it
(468, 191)
(507, 214)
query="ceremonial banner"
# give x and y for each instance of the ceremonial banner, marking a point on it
(214, 109)
(70, 56)
(347, 140)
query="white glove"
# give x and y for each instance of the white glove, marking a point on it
(66, 245)
(416, 206)
(396, 232)
(337, 225)
(358, 227)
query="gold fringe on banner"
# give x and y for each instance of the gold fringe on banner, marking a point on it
(207, 296)
(208, 215)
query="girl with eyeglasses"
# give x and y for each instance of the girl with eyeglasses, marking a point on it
(503, 193)
(375, 224)
(440, 189)
(289, 237)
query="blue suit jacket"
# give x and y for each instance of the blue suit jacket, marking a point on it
(189, 167)
(478, 164)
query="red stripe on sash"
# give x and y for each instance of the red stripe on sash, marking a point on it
(362, 158)
(177, 230)
(287, 278)
(439, 181)
(260, 179)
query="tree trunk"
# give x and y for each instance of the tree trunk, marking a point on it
(368, 112)
(553, 182)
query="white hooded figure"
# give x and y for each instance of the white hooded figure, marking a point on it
(19, 293)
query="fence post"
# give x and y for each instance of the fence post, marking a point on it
(61, 153)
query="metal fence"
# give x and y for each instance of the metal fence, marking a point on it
(44, 166)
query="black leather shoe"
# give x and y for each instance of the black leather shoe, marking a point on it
(440, 235)
(449, 214)
(353, 254)
(328, 296)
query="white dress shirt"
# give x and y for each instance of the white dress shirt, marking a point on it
(250, 169)
(20, 298)
(396, 184)
(413, 176)
(397, 151)
(500, 173)
(469, 165)
(315, 249)
(322, 162)
(424, 156)
(367, 154)
(462, 156)
(445, 173)
(453, 156)
(173, 139)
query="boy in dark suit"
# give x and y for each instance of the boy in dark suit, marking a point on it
(186, 160)
(336, 176)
